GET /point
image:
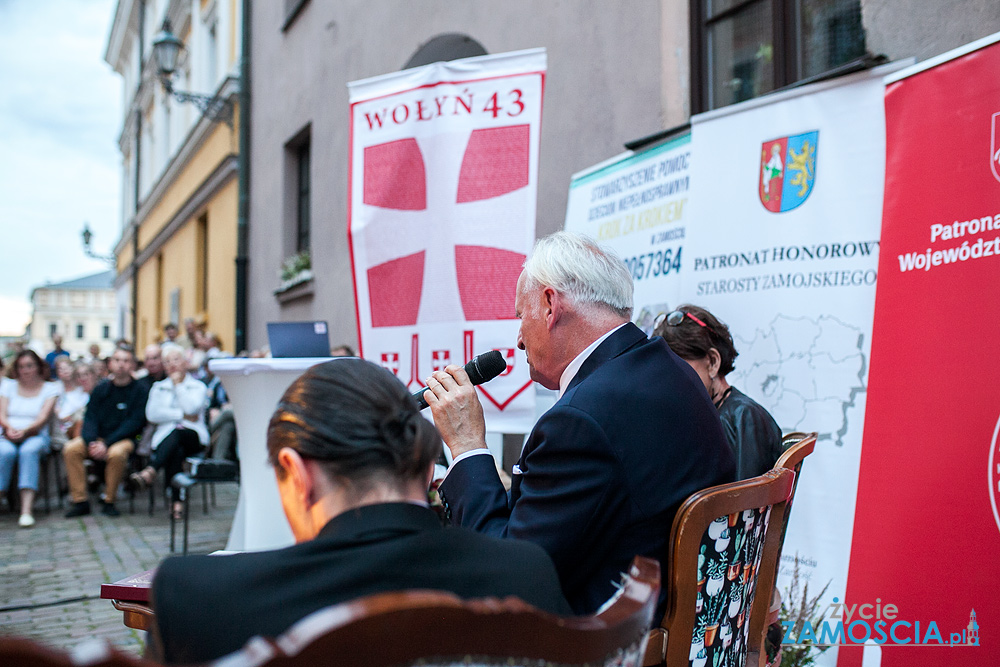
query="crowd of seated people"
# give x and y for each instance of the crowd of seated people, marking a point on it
(55, 404)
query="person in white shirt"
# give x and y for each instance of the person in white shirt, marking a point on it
(71, 405)
(26, 405)
(176, 407)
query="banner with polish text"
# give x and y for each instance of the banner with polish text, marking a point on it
(927, 528)
(443, 180)
(783, 246)
(635, 203)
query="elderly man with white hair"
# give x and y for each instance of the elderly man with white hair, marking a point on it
(632, 435)
(176, 407)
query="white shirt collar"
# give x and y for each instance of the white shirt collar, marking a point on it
(574, 366)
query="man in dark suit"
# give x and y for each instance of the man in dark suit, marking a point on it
(632, 435)
(353, 458)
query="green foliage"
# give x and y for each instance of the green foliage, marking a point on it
(295, 265)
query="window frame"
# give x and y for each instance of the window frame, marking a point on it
(786, 47)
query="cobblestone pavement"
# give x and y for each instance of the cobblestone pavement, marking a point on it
(51, 575)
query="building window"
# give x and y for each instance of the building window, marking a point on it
(744, 48)
(106, 332)
(201, 240)
(303, 210)
(79, 331)
(53, 329)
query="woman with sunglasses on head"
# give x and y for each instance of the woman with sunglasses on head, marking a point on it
(700, 339)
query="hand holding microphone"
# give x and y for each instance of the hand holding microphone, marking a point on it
(451, 396)
(482, 368)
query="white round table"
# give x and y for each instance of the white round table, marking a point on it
(254, 387)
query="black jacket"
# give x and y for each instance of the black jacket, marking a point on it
(605, 469)
(115, 413)
(752, 433)
(209, 606)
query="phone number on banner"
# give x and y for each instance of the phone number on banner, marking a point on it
(655, 264)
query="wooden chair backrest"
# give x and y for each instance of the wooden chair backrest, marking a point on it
(759, 503)
(426, 627)
(798, 447)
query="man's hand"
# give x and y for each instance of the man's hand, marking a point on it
(97, 450)
(458, 414)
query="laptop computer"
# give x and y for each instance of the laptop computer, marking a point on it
(298, 339)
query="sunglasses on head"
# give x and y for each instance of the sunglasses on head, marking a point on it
(676, 317)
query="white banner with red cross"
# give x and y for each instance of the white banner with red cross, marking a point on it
(443, 180)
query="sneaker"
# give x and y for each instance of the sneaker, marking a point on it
(108, 509)
(78, 509)
(26, 521)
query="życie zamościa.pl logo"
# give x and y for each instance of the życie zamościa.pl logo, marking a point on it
(787, 171)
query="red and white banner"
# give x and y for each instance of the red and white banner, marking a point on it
(927, 530)
(443, 182)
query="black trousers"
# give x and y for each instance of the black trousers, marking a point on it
(171, 452)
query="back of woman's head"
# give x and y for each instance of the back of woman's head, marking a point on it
(357, 420)
(695, 334)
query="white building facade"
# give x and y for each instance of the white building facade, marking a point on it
(82, 311)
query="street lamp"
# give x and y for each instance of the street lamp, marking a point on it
(87, 235)
(166, 48)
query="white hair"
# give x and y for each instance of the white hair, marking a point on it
(577, 267)
(168, 349)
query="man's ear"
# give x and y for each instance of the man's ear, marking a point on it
(714, 362)
(553, 304)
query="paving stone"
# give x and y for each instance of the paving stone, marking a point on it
(62, 558)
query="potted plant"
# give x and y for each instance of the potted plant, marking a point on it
(296, 269)
(799, 608)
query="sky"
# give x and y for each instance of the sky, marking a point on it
(60, 117)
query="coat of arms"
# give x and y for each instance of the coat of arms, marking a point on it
(787, 171)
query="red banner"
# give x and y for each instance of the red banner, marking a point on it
(927, 535)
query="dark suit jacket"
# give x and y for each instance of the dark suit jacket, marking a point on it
(209, 606)
(605, 469)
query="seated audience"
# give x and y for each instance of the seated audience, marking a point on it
(171, 334)
(152, 366)
(176, 406)
(114, 417)
(353, 458)
(71, 404)
(705, 343)
(57, 351)
(26, 405)
(94, 352)
(221, 422)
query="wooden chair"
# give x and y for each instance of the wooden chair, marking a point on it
(426, 628)
(722, 555)
(797, 446)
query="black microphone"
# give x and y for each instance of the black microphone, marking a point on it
(481, 369)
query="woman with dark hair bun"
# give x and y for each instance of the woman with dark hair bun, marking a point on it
(700, 339)
(353, 459)
(359, 424)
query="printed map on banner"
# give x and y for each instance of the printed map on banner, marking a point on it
(807, 372)
(780, 253)
(443, 181)
(636, 203)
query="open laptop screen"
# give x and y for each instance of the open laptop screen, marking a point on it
(298, 339)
